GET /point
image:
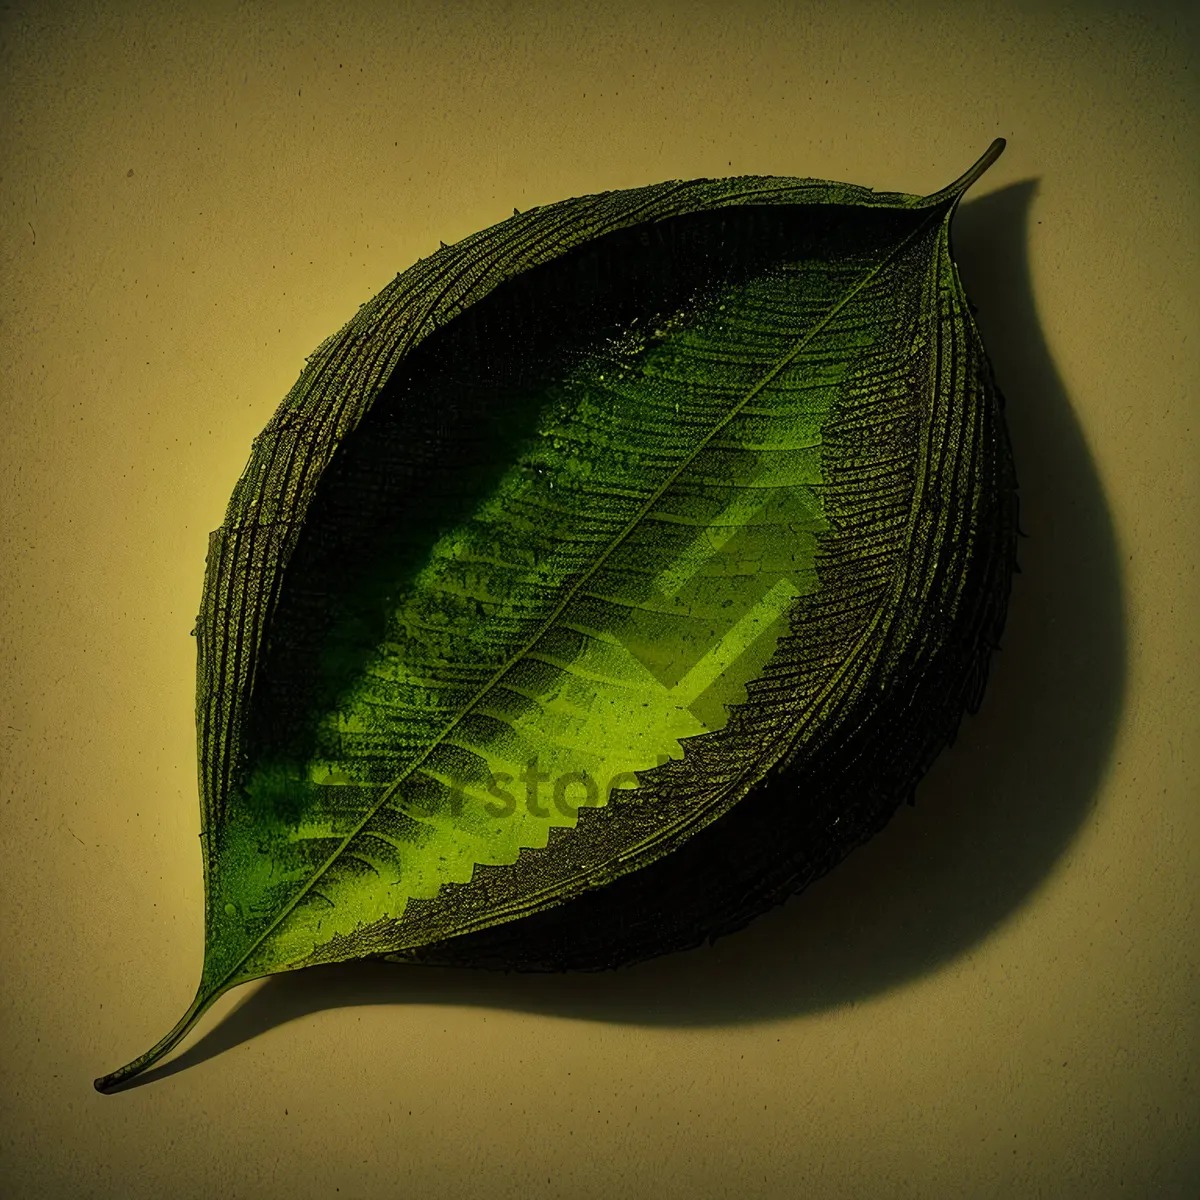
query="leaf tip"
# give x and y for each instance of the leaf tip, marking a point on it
(955, 190)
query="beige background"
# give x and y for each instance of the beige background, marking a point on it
(996, 997)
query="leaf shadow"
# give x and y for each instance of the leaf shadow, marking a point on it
(992, 818)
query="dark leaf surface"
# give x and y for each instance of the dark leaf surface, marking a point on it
(608, 577)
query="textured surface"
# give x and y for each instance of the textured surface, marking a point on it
(666, 494)
(993, 997)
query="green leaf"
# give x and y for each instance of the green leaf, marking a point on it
(609, 576)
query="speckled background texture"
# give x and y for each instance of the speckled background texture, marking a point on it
(997, 997)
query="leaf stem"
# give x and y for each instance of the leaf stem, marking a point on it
(971, 176)
(198, 1007)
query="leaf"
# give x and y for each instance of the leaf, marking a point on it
(617, 569)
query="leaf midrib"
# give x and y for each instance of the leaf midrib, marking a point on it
(772, 373)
